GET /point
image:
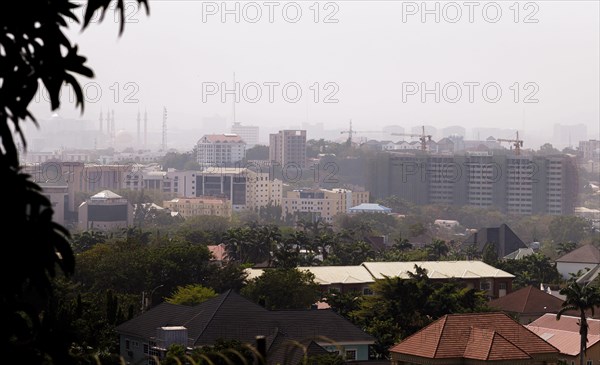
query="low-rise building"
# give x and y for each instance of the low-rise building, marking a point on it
(473, 339)
(232, 317)
(582, 259)
(527, 304)
(105, 211)
(564, 335)
(322, 203)
(201, 205)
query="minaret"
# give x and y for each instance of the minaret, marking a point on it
(145, 128)
(139, 119)
(101, 120)
(164, 129)
(112, 123)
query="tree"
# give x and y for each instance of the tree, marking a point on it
(569, 228)
(258, 152)
(283, 289)
(565, 247)
(191, 295)
(437, 249)
(580, 298)
(35, 51)
(400, 307)
(533, 270)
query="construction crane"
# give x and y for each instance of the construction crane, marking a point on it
(351, 132)
(516, 143)
(424, 138)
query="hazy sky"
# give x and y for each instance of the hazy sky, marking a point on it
(374, 51)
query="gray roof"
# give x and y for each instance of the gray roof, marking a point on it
(587, 254)
(106, 194)
(371, 207)
(230, 316)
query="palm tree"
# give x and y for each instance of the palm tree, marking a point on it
(580, 298)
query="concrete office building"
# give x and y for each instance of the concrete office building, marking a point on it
(513, 184)
(288, 147)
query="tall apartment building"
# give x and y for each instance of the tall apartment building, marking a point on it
(201, 205)
(322, 203)
(590, 150)
(220, 150)
(249, 133)
(513, 184)
(288, 147)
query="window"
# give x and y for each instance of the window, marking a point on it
(145, 348)
(484, 285)
(502, 286)
(367, 291)
(350, 355)
(127, 346)
(590, 362)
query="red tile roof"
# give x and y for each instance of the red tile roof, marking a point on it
(485, 336)
(587, 254)
(564, 334)
(528, 300)
(219, 251)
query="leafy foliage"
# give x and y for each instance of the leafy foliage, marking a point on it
(191, 295)
(400, 307)
(533, 270)
(283, 289)
(34, 51)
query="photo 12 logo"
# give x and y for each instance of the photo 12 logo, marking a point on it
(269, 11)
(130, 14)
(271, 91)
(469, 11)
(471, 91)
(93, 92)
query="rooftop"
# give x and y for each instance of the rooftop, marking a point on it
(436, 269)
(587, 254)
(564, 333)
(528, 300)
(478, 336)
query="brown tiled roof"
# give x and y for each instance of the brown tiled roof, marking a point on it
(528, 300)
(497, 335)
(587, 254)
(564, 334)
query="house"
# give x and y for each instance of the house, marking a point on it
(519, 254)
(582, 259)
(343, 279)
(475, 274)
(564, 335)
(474, 338)
(502, 237)
(230, 316)
(219, 253)
(527, 304)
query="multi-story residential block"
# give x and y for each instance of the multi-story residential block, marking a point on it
(201, 205)
(222, 150)
(288, 147)
(590, 150)
(513, 184)
(322, 203)
(249, 133)
(105, 211)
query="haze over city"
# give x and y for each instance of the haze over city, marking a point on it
(362, 54)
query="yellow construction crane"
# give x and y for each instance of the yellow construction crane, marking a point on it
(422, 137)
(351, 132)
(517, 143)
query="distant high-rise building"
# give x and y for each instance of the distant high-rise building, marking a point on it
(220, 150)
(454, 130)
(288, 147)
(590, 150)
(569, 135)
(249, 133)
(513, 184)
